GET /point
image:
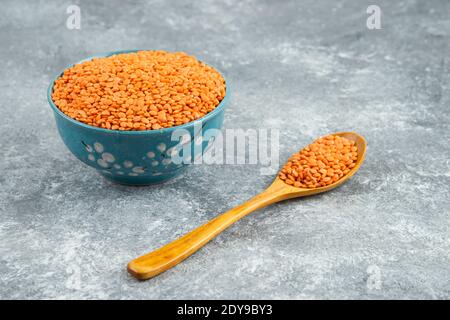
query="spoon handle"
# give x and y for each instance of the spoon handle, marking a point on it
(164, 258)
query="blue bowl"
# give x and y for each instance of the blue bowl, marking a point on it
(136, 157)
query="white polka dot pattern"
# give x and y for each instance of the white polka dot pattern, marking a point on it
(161, 155)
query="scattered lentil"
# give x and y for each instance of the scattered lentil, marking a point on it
(144, 90)
(323, 162)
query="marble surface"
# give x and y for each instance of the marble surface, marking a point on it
(306, 68)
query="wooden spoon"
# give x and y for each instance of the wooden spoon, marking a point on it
(164, 258)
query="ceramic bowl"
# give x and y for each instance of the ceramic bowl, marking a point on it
(135, 157)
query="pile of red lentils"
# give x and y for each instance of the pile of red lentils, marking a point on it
(322, 163)
(145, 90)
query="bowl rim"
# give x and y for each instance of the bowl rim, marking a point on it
(206, 117)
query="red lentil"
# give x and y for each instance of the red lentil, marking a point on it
(323, 162)
(144, 90)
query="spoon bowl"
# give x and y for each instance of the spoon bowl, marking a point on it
(158, 261)
(294, 192)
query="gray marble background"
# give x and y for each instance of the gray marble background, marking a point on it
(306, 68)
